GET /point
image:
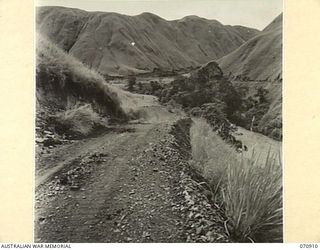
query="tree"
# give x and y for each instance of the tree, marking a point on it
(261, 94)
(131, 82)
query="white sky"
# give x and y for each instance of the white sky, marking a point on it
(251, 13)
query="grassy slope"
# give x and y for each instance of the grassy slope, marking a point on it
(65, 81)
(104, 40)
(260, 58)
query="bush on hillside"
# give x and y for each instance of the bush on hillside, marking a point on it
(78, 121)
(131, 82)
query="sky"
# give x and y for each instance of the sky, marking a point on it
(251, 13)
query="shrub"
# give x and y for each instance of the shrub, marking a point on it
(79, 121)
(131, 82)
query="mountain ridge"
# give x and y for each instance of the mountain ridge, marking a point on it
(119, 44)
(260, 58)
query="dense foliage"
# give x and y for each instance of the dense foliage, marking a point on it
(207, 93)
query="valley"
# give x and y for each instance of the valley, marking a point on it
(143, 129)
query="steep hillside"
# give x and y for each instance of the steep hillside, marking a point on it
(63, 81)
(260, 58)
(261, 107)
(117, 44)
(275, 24)
(271, 123)
(72, 99)
(257, 64)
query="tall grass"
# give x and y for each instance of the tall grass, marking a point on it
(80, 120)
(252, 196)
(210, 154)
(65, 80)
(251, 192)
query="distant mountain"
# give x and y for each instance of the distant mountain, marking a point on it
(260, 58)
(118, 44)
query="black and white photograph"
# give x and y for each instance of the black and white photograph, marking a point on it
(158, 121)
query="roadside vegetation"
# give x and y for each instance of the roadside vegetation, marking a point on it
(73, 99)
(65, 81)
(250, 193)
(261, 108)
(208, 93)
(79, 121)
(204, 93)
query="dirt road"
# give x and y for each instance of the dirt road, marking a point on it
(128, 185)
(258, 144)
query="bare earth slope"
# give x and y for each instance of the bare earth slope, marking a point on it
(260, 58)
(118, 44)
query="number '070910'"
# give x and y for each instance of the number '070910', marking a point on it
(308, 245)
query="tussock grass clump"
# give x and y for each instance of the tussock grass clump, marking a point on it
(253, 200)
(80, 120)
(251, 192)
